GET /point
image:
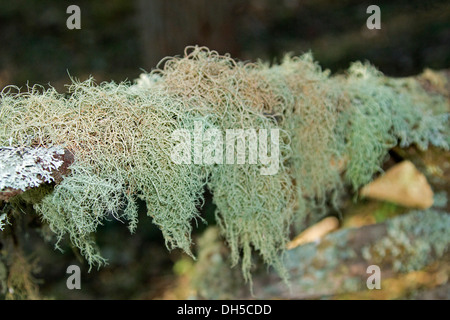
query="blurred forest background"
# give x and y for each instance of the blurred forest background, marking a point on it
(119, 38)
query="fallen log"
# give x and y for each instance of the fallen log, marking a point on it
(339, 264)
(123, 141)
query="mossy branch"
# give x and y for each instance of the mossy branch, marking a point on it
(334, 132)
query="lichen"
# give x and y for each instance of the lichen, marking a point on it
(384, 113)
(410, 243)
(3, 221)
(440, 199)
(334, 132)
(26, 167)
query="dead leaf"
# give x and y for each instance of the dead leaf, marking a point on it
(315, 232)
(402, 184)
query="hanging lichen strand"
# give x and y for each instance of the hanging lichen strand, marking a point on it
(333, 131)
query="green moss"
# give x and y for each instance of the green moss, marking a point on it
(33, 195)
(17, 281)
(386, 210)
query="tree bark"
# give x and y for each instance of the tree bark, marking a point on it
(402, 247)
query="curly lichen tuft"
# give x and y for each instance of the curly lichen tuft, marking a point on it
(333, 132)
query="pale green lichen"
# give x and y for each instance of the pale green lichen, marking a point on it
(121, 137)
(122, 142)
(410, 243)
(440, 199)
(386, 112)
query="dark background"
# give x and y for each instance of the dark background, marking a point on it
(119, 38)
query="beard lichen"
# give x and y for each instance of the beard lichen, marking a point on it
(334, 131)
